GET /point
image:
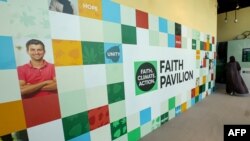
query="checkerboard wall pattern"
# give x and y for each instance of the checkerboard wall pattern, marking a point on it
(91, 103)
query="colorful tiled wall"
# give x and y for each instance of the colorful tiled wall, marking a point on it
(95, 50)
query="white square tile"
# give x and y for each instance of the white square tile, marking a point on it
(91, 29)
(51, 131)
(153, 22)
(125, 19)
(96, 97)
(117, 111)
(64, 26)
(69, 78)
(9, 86)
(94, 75)
(142, 37)
(133, 122)
(163, 41)
(101, 134)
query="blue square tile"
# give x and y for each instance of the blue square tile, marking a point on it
(83, 137)
(111, 11)
(163, 25)
(193, 101)
(113, 53)
(145, 116)
(171, 40)
(7, 57)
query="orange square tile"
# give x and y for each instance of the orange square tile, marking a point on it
(67, 53)
(90, 8)
(12, 117)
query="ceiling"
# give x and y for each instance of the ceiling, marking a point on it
(230, 5)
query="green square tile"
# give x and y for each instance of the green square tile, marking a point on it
(197, 99)
(128, 34)
(117, 110)
(112, 32)
(116, 92)
(164, 118)
(171, 103)
(209, 85)
(194, 44)
(171, 27)
(184, 42)
(93, 53)
(164, 106)
(171, 114)
(66, 98)
(146, 129)
(133, 121)
(134, 135)
(156, 123)
(96, 97)
(202, 45)
(153, 38)
(75, 125)
(114, 76)
(177, 29)
(118, 128)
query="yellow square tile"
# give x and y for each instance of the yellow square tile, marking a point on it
(67, 53)
(197, 54)
(184, 107)
(90, 8)
(204, 79)
(197, 91)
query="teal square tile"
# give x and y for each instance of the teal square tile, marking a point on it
(118, 128)
(116, 92)
(112, 32)
(153, 38)
(113, 53)
(93, 53)
(75, 125)
(114, 76)
(128, 34)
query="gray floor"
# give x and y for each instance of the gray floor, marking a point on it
(205, 120)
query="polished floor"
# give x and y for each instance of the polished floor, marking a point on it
(205, 120)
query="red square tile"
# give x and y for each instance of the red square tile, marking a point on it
(42, 109)
(178, 41)
(98, 117)
(141, 19)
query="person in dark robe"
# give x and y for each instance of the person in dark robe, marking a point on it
(234, 81)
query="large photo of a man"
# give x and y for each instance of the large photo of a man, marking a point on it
(36, 77)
